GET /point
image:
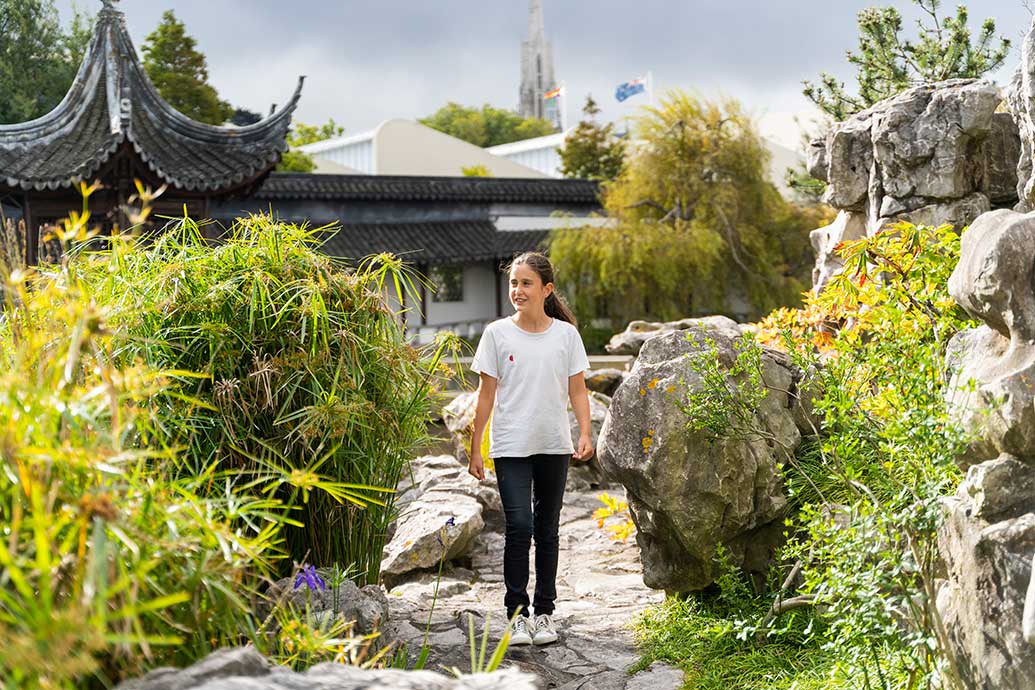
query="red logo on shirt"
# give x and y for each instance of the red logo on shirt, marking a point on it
(512, 358)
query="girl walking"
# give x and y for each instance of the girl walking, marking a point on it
(529, 365)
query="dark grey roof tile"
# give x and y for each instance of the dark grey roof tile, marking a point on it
(426, 188)
(79, 136)
(433, 243)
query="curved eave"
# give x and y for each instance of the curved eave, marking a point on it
(112, 71)
(85, 171)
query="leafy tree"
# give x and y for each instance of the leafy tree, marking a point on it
(475, 171)
(302, 134)
(887, 63)
(486, 127)
(592, 151)
(180, 73)
(38, 59)
(296, 161)
(696, 228)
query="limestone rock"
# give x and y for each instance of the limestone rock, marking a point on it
(849, 153)
(238, 662)
(848, 225)
(1028, 622)
(629, 341)
(366, 607)
(446, 474)
(927, 138)
(1020, 99)
(604, 381)
(988, 559)
(459, 418)
(958, 213)
(214, 673)
(936, 153)
(1001, 155)
(440, 524)
(588, 475)
(992, 366)
(987, 540)
(689, 492)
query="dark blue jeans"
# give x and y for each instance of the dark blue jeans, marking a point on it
(532, 491)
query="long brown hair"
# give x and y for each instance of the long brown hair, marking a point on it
(555, 305)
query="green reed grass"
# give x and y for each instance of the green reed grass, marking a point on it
(304, 383)
(112, 558)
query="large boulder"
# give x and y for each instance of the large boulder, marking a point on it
(926, 140)
(993, 366)
(583, 475)
(849, 225)
(629, 341)
(605, 381)
(246, 668)
(936, 153)
(987, 542)
(458, 416)
(690, 492)
(440, 508)
(1020, 99)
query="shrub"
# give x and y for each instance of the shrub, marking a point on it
(300, 379)
(865, 489)
(111, 559)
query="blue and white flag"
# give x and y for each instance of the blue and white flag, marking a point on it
(630, 88)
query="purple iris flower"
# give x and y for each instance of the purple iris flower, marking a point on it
(310, 578)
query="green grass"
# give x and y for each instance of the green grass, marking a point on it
(699, 635)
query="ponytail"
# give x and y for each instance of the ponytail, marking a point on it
(555, 306)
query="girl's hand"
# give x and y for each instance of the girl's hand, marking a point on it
(476, 466)
(585, 449)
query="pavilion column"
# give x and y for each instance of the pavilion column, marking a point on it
(494, 267)
(423, 270)
(32, 234)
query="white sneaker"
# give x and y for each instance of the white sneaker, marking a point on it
(544, 632)
(520, 634)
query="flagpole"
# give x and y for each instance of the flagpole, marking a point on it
(564, 107)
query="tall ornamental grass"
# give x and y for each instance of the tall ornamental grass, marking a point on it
(301, 377)
(113, 557)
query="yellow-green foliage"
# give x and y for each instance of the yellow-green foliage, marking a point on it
(863, 491)
(305, 371)
(108, 563)
(622, 527)
(695, 223)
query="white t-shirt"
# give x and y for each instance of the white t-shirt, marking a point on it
(530, 415)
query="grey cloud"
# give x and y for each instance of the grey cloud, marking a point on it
(367, 61)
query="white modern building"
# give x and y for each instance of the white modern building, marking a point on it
(404, 147)
(541, 154)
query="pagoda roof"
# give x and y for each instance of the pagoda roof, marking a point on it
(112, 102)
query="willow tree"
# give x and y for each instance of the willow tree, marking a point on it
(695, 227)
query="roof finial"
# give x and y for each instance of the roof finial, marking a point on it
(110, 4)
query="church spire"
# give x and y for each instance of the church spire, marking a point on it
(537, 76)
(536, 26)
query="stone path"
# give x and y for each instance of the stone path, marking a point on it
(600, 592)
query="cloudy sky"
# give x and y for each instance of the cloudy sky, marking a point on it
(369, 61)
